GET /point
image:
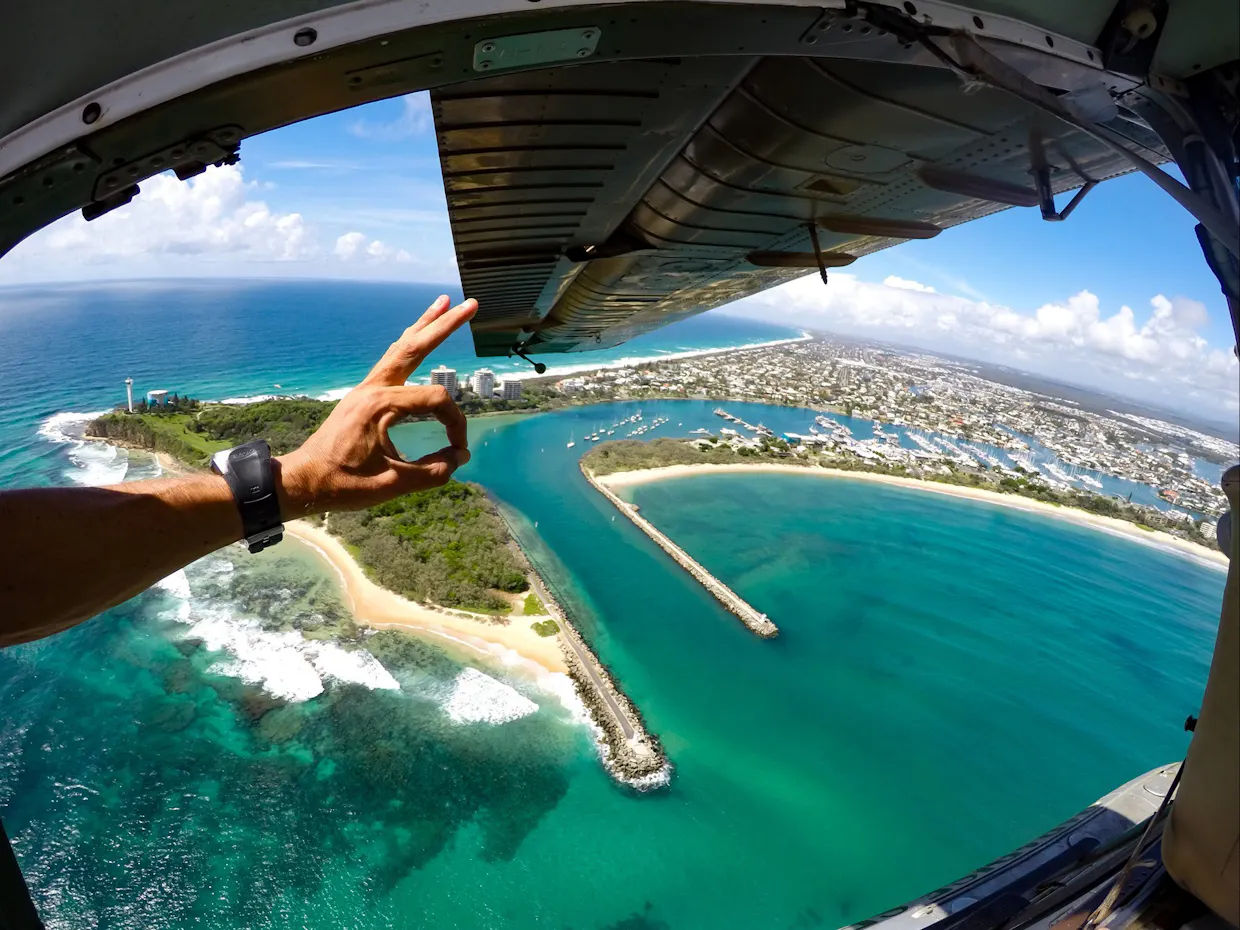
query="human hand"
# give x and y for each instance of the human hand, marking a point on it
(350, 463)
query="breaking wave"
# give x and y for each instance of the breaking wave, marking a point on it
(94, 463)
(479, 698)
(284, 664)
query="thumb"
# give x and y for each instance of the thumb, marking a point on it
(431, 471)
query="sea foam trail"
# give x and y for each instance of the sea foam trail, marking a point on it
(479, 698)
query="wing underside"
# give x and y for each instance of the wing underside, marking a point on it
(594, 202)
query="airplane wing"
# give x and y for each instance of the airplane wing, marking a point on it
(611, 168)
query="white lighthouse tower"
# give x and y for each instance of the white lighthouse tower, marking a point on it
(129, 392)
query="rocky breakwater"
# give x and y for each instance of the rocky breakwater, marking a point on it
(631, 754)
(753, 618)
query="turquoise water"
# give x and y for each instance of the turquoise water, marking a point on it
(69, 348)
(951, 680)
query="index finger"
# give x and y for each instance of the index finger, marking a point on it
(408, 352)
(416, 399)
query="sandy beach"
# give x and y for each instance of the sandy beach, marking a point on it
(375, 606)
(1107, 524)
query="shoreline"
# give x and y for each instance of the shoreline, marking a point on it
(629, 753)
(376, 606)
(1153, 538)
(627, 750)
(559, 371)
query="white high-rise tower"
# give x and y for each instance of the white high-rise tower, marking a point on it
(129, 392)
(446, 377)
(484, 383)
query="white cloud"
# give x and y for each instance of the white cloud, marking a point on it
(210, 215)
(354, 246)
(1073, 339)
(216, 223)
(894, 281)
(302, 164)
(415, 119)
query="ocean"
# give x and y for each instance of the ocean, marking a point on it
(951, 678)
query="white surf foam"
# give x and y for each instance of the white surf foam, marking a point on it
(561, 687)
(334, 393)
(283, 664)
(251, 398)
(638, 360)
(176, 584)
(94, 463)
(479, 698)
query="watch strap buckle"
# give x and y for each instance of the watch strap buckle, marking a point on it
(264, 538)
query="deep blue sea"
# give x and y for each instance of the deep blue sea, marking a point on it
(952, 678)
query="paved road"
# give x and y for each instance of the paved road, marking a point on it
(587, 662)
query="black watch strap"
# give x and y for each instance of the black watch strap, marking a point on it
(251, 478)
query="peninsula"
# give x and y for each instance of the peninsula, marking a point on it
(623, 463)
(440, 564)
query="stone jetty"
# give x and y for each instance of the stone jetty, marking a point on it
(753, 618)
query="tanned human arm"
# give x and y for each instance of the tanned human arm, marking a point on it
(67, 554)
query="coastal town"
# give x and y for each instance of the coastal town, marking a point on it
(951, 414)
(869, 411)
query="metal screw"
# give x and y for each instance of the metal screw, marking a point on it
(304, 37)
(91, 113)
(588, 35)
(483, 65)
(487, 48)
(583, 53)
(109, 182)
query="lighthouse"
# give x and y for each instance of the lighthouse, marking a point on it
(129, 392)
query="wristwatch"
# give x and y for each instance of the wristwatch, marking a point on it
(247, 469)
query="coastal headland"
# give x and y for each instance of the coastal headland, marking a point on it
(629, 752)
(378, 561)
(754, 619)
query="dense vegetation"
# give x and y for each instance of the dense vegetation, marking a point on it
(191, 431)
(445, 546)
(285, 423)
(633, 454)
(161, 432)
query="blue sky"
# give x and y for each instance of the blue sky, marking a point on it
(358, 194)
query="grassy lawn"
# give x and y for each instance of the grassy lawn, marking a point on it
(177, 426)
(533, 606)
